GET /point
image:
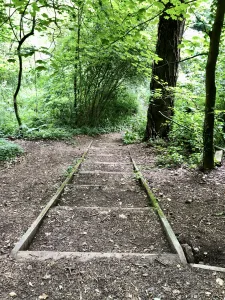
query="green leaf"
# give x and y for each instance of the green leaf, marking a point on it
(40, 68)
(40, 61)
(159, 5)
(12, 60)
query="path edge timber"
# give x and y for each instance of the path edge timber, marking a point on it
(28, 236)
(164, 259)
(176, 246)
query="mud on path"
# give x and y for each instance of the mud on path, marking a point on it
(26, 186)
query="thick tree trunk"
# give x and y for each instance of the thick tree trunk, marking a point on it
(208, 133)
(164, 76)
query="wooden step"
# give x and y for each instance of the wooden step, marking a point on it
(79, 195)
(118, 179)
(162, 258)
(100, 230)
(106, 167)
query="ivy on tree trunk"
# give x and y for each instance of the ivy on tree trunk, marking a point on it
(210, 84)
(164, 75)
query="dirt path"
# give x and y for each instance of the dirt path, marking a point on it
(113, 227)
(26, 189)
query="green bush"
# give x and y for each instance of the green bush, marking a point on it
(135, 129)
(48, 133)
(187, 130)
(123, 106)
(9, 150)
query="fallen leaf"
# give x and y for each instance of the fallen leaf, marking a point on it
(43, 296)
(47, 276)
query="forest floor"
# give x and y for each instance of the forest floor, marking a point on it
(193, 202)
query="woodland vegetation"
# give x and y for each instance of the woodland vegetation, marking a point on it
(83, 66)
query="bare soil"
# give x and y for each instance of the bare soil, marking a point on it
(103, 196)
(106, 279)
(107, 230)
(194, 203)
(28, 183)
(116, 180)
(106, 167)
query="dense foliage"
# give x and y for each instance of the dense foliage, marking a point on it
(9, 150)
(86, 68)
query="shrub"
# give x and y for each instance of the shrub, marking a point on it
(135, 130)
(9, 150)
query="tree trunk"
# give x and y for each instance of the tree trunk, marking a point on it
(20, 73)
(164, 76)
(77, 65)
(18, 87)
(210, 84)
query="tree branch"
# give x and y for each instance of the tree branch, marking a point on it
(182, 60)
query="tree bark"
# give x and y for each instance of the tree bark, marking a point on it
(164, 75)
(18, 86)
(210, 85)
(20, 72)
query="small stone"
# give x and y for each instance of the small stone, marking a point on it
(220, 281)
(176, 292)
(145, 274)
(122, 216)
(196, 249)
(188, 252)
(188, 201)
(12, 294)
(208, 294)
(43, 296)
(47, 276)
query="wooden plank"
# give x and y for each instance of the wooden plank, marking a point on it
(104, 208)
(109, 163)
(27, 238)
(209, 268)
(105, 172)
(165, 224)
(163, 258)
(111, 149)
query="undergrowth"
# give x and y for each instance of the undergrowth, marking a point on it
(135, 129)
(9, 150)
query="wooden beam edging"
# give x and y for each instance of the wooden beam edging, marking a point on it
(207, 267)
(163, 258)
(165, 224)
(28, 236)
